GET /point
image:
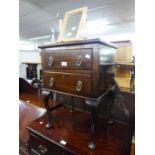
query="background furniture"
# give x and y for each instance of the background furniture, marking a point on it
(125, 76)
(27, 113)
(73, 128)
(125, 67)
(31, 70)
(26, 86)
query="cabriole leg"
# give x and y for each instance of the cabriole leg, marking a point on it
(49, 124)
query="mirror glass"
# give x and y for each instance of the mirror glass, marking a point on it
(72, 25)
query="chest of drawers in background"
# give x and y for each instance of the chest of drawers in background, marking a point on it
(82, 68)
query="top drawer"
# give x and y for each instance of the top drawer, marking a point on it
(68, 59)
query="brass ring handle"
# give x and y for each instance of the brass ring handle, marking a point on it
(50, 61)
(79, 86)
(43, 149)
(79, 61)
(51, 82)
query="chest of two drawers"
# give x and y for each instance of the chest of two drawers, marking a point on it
(68, 70)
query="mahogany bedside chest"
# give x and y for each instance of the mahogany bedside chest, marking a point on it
(80, 69)
(70, 134)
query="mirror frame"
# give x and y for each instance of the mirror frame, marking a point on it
(81, 25)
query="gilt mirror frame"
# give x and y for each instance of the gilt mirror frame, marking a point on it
(78, 27)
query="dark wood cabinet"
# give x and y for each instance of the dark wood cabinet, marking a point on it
(31, 71)
(73, 128)
(86, 65)
(82, 69)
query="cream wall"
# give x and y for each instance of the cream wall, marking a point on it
(31, 57)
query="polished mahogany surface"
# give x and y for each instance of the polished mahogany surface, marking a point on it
(32, 98)
(73, 127)
(27, 113)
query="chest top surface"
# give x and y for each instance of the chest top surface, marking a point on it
(77, 42)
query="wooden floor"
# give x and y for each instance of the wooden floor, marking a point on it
(74, 128)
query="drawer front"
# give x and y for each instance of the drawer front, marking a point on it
(79, 84)
(39, 146)
(68, 59)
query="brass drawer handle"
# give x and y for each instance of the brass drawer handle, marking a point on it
(51, 82)
(79, 86)
(79, 61)
(43, 149)
(50, 61)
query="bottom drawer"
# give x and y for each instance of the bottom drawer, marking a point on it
(73, 83)
(39, 146)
